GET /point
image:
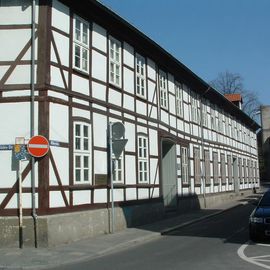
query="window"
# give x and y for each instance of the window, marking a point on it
(81, 44)
(118, 170)
(163, 90)
(204, 115)
(233, 129)
(230, 165)
(213, 119)
(240, 170)
(220, 123)
(179, 99)
(215, 168)
(81, 153)
(245, 171)
(140, 76)
(227, 131)
(194, 109)
(184, 152)
(115, 62)
(223, 169)
(207, 167)
(197, 167)
(143, 159)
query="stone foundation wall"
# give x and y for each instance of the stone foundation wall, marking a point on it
(64, 228)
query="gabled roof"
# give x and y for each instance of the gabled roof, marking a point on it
(121, 29)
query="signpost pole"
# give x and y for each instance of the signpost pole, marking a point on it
(111, 176)
(20, 205)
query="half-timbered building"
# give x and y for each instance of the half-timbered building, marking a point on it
(86, 67)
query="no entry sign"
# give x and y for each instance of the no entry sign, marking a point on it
(38, 146)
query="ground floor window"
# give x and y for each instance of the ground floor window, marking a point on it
(143, 159)
(81, 146)
(197, 167)
(184, 157)
(118, 170)
(207, 167)
(215, 168)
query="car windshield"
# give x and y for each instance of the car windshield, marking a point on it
(265, 201)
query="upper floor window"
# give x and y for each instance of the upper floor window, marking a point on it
(81, 152)
(204, 115)
(195, 113)
(163, 89)
(115, 62)
(213, 119)
(233, 129)
(220, 123)
(179, 99)
(227, 130)
(140, 76)
(81, 44)
(143, 159)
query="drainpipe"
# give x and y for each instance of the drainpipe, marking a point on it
(202, 147)
(32, 118)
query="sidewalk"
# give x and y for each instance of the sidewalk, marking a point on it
(45, 258)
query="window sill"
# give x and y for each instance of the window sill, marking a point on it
(81, 72)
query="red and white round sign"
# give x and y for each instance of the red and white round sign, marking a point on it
(38, 146)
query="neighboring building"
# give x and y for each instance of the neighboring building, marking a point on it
(92, 68)
(264, 143)
(236, 99)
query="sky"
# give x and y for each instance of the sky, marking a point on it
(209, 36)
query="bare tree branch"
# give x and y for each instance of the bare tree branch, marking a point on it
(232, 83)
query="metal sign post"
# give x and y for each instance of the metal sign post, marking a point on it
(117, 145)
(20, 205)
(111, 176)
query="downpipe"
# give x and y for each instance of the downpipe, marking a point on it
(32, 119)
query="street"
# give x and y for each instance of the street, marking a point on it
(219, 242)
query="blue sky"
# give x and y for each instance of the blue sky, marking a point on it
(209, 36)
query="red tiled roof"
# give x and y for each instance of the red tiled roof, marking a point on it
(234, 97)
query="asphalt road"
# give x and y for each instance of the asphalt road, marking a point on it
(210, 244)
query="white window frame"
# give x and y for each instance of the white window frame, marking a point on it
(140, 76)
(143, 163)
(204, 114)
(207, 164)
(213, 118)
(115, 62)
(195, 113)
(179, 99)
(81, 44)
(184, 160)
(118, 175)
(163, 90)
(82, 151)
(197, 166)
(220, 122)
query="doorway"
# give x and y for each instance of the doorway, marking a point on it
(169, 179)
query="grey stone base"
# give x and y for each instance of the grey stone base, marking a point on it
(58, 229)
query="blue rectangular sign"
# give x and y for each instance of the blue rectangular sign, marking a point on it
(4, 147)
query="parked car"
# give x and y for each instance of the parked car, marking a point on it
(259, 220)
